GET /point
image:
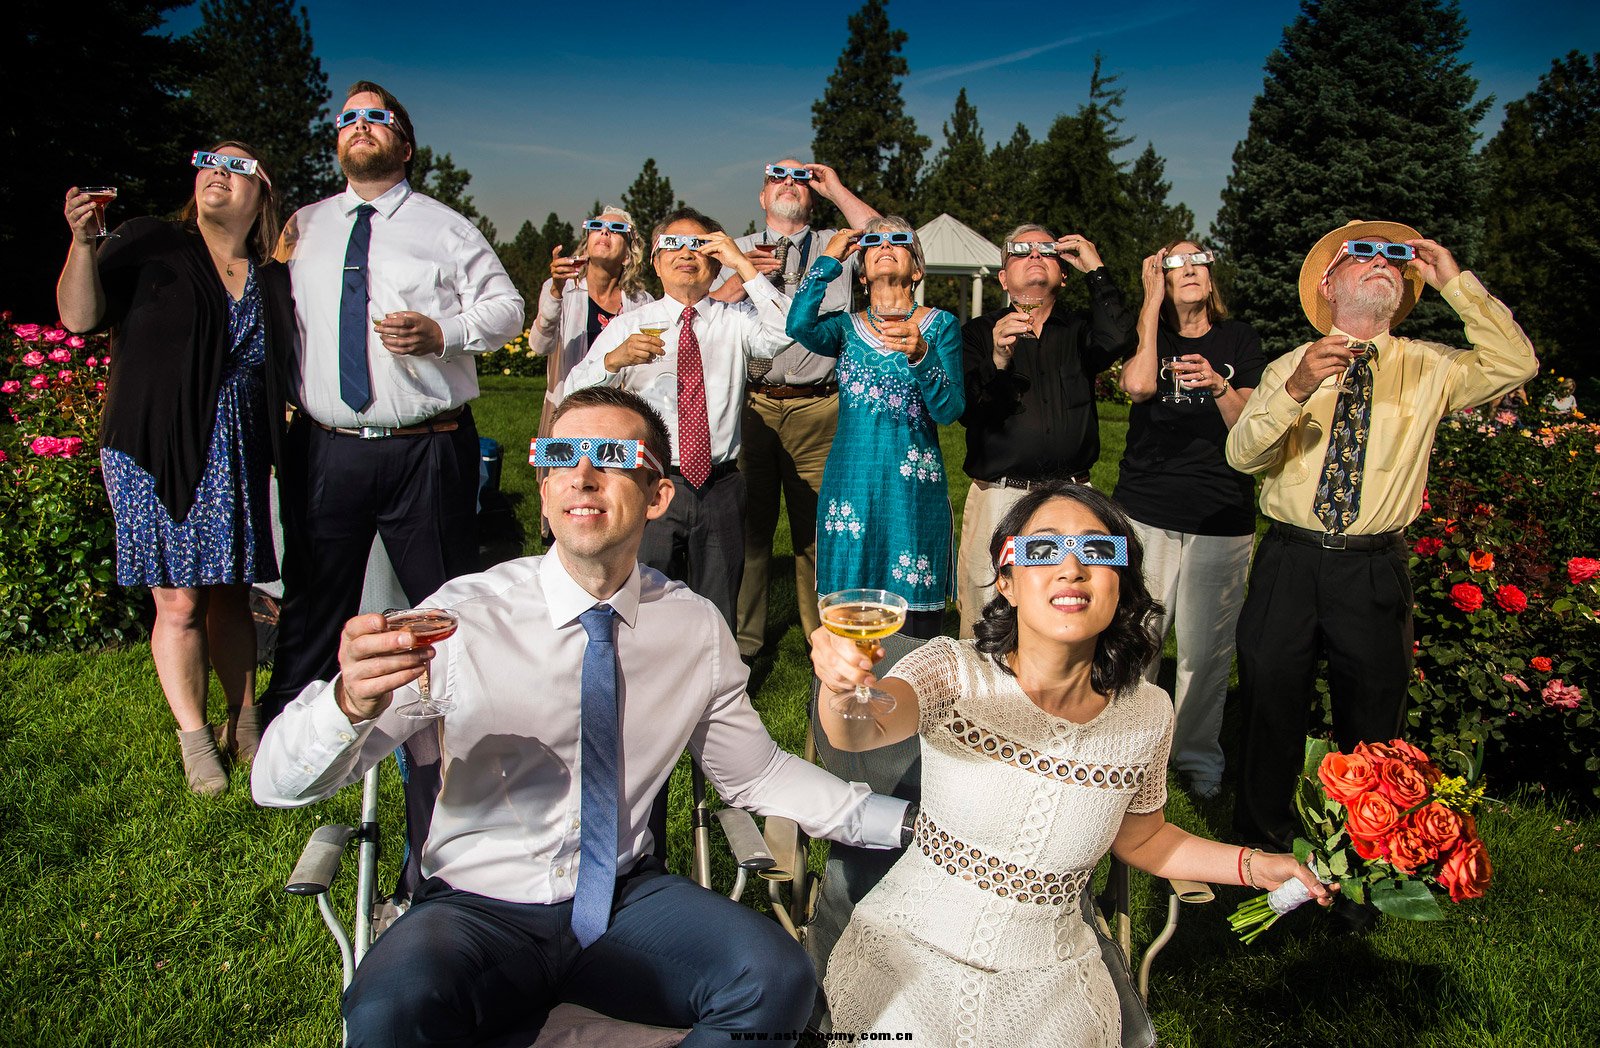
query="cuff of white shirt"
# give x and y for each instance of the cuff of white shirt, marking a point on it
(881, 817)
(549, 309)
(330, 722)
(762, 289)
(455, 336)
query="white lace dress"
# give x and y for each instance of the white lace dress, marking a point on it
(975, 936)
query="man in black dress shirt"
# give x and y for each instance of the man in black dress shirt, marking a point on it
(1030, 372)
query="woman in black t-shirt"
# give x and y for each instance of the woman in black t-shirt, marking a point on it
(1195, 515)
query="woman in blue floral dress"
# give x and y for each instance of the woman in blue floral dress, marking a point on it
(883, 518)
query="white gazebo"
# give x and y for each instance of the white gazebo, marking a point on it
(954, 249)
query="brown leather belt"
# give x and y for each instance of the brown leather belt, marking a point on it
(443, 422)
(1031, 485)
(821, 389)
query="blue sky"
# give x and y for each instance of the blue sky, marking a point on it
(550, 107)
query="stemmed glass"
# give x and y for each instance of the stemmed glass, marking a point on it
(1026, 304)
(1358, 350)
(101, 196)
(865, 616)
(428, 626)
(1177, 394)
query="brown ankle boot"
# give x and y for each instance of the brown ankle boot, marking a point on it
(247, 734)
(202, 761)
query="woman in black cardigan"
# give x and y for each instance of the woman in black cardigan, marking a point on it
(202, 327)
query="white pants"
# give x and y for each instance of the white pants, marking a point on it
(1199, 580)
(974, 570)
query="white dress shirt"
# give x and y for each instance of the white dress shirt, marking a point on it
(729, 334)
(424, 258)
(560, 330)
(506, 821)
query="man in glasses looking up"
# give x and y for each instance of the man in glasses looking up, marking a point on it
(1340, 431)
(792, 409)
(394, 295)
(688, 356)
(1030, 371)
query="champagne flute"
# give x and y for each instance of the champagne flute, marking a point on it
(428, 626)
(864, 616)
(101, 196)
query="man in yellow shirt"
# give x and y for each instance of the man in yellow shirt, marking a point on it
(1341, 430)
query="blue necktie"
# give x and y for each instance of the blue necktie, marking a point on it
(355, 386)
(597, 865)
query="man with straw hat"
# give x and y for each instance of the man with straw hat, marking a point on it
(1340, 430)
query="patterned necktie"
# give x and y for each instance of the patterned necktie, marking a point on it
(355, 385)
(781, 255)
(694, 433)
(597, 847)
(759, 367)
(1338, 500)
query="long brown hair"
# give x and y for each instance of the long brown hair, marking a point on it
(1216, 311)
(263, 237)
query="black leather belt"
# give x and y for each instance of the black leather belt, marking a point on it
(443, 422)
(821, 389)
(718, 471)
(1338, 541)
(1020, 484)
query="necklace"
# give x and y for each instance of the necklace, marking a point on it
(873, 318)
(226, 264)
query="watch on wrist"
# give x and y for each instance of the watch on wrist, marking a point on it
(908, 825)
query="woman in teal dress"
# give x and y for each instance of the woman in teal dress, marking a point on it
(883, 519)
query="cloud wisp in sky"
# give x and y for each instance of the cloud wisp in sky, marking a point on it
(947, 72)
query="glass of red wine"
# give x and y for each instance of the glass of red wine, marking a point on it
(428, 626)
(101, 195)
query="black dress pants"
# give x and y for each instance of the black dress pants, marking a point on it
(335, 493)
(699, 541)
(1304, 603)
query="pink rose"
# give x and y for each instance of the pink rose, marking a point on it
(33, 359)
(65, 376)
(38, 382)
(1512, 678)
(61, 356)
(10, 386)
(28, 332)
(69, 446)
(1466, 596)
(92, 361)
(3, 456)
(1511, 599)
(55, 335)
(76, 342)
(45, 446)
(1561, 695)
(1582, 569)
(100, 387)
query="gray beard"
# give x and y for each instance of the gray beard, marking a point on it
(790, 210)
(1372, 302)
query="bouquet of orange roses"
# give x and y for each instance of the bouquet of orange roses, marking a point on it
(1386, 824)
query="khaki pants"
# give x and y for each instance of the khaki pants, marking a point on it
(785, 446)
(986, 505)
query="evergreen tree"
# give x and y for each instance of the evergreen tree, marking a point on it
(1366, 112)
(439, 177)
(244, 45)
(1542, 198)
(957, 181)
(862, 129)
(1010, 172)
(650, 198)
(1155, 222)
(93, 96)
(527, 262)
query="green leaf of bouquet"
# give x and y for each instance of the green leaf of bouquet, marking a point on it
(1339, 863)
(1302, 849)
(1410, 900)
(1356, 891)
(1316, 749)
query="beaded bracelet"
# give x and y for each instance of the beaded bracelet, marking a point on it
(1249, 874)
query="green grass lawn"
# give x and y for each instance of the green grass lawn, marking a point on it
(141, 914)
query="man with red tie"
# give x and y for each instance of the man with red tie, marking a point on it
(687, 355)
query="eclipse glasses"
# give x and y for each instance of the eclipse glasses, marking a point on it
(1024, 551)
(602, 453)
(1189, 258)
(234, 165)
(896, 239)
(606, 225)
(777, 173)
(371, 116)
(678, 241)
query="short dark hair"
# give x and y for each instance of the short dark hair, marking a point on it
(656, 437)
(1128, 643)
(683, 214)
(402, 119)
(262, 239)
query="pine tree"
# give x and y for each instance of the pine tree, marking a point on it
(523, 256)
(1542, 198)
(1155, 222)
(244, 45)
(862, 129)
(1010, 173)
(439, 177)
(957, 180)
(1366, 112)
(650, 198)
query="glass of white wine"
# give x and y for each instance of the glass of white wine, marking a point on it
(1026, 304)
(865, 616)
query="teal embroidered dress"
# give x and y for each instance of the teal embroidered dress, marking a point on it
(883, 518)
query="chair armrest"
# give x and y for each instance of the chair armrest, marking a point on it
(1195, 893)
(319, 862)
(749, 850)
(783, 839)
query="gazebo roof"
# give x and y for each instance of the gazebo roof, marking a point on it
(952, 247)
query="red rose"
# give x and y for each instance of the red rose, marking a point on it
(1437, 825)
(1408, 850)
(1427, 546)
(1371, 816)
(1371, 851)
(1478, 560)
(1344, 775)
(1465, 872)
(1541, 663)
(1582, 569)
(1466, 596)
(1511, 599)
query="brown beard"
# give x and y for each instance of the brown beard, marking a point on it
(375, 164)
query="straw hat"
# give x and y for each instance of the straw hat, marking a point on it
(1317, 308)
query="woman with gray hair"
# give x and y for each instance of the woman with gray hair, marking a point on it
(883, 517)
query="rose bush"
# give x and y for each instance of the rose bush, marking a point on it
(57, 546)
(513, 358)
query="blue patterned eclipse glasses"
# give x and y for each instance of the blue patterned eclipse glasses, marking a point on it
(777, 173)
(1024, 551)
(371, 116)
(1361, 250)
(605, 225)
(897, 239)
(678, 241)
(234, 165)
(602, 453)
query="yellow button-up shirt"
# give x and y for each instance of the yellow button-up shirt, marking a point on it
(1415, 384)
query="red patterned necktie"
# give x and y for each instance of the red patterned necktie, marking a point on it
(694, 434)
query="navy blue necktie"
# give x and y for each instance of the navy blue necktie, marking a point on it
(355, 385)
(597, 865)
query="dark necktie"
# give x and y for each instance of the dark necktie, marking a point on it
(1338, 500)
(597, 836)
(759, 367)
(694, 432)
(355, 384)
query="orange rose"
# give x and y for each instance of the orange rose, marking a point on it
(1344, 775)
(1478, 560)
(1401, 782)
(1370, 850)
(1371, 816)
(1408, 850)
(1465, 872)
(1437, 825)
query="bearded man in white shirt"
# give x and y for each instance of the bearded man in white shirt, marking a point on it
(394, 294)
(687, 354)
(505, 924)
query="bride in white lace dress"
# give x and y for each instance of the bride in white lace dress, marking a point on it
(1042, 748)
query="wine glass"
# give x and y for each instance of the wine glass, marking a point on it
(101, 196)
(865, 616)
(1358, 350)
(1177, 394)
(1026, 304)
(428, 626)
(653, 329)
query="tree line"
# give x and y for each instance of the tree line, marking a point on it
(1366, 111)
